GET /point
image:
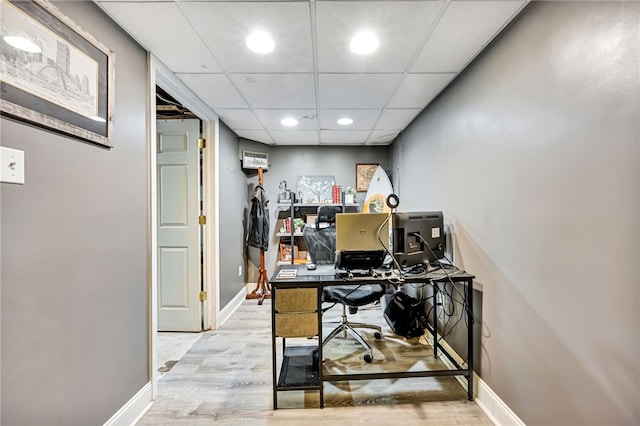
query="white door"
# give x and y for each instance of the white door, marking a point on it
(178, 162)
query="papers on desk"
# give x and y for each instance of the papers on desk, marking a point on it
(286, 274)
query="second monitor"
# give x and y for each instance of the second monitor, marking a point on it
(418, 238)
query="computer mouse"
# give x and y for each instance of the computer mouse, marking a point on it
(311, 266)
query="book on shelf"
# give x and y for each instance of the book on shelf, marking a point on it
(287, 225)
(337, 194)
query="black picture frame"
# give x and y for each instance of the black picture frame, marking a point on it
(68, 85)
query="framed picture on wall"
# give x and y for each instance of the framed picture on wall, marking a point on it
(55, 75)
(364, 172)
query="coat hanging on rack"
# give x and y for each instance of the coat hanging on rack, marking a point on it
(258, 236)
(258, 226)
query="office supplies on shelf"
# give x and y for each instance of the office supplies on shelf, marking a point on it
(305, 214)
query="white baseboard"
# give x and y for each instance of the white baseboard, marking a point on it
(226, 312)
(488, 401)
(494, 407)
(134, 409)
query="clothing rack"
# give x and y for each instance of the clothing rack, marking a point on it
(263, 288)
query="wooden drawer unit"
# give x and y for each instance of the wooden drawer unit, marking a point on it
(300, 324)
(296, 300)
(296, 312)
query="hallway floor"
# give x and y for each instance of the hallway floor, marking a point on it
(226, 378)
(172, 346)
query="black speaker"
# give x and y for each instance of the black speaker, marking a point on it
(406, 315)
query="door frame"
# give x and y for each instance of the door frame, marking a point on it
(160, 75)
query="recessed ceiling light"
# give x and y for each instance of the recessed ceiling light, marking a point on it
(289, 122)
(23, 44)
(260, 42)
(345, 121)
(98, 119)
(364, 43)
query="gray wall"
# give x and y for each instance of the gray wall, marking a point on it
(289, 162)
(233, 202)
(74, 258)
(251, 255)
(533, 155)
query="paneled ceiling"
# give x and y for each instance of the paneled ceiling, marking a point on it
(311, 74)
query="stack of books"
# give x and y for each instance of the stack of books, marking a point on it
(337, 194)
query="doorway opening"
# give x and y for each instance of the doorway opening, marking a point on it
(181, 104)
(180, 236)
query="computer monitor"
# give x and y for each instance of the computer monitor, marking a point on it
(362, 240)
(418, 238)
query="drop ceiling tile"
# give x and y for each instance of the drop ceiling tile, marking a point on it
(342, 137)
(239, 119)
(417, 90)
(224, 26)
(356, 90)
(277, 90)
(295, 137)
(400, 26)
(382, 137)
(255, 135)
(187, 35)
(363, 119)
(396, 119)
(464, 30)
(151, 23)
(214, 89)
(271, 118)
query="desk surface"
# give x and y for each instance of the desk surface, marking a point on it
(329, 275)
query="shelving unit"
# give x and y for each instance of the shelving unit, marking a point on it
(300, 210)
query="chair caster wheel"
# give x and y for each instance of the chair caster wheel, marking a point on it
(368, 358)
(377, 335)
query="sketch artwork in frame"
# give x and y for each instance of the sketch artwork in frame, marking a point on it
(364, 173)
(53, 74)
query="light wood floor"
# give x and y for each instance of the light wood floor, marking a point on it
(226, 378)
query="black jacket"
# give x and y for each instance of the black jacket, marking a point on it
(258, 226)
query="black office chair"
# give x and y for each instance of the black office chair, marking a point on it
(321, 243)
(321, 237)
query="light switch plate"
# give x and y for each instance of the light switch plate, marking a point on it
(11, 165)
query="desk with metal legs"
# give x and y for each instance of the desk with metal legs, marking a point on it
(297, 312)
